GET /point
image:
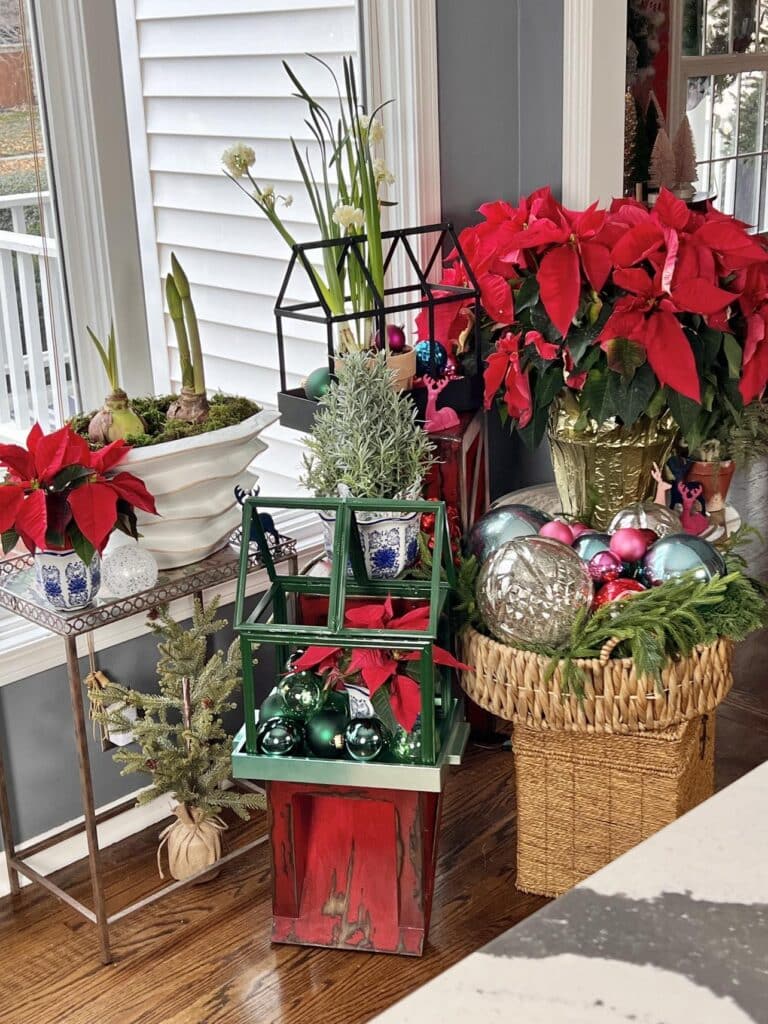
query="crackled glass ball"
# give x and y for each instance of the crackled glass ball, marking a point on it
(279, 737)
(406, 746)
(647, 515)
(423, 351)
(303, 693)
(128, 569)
(589, 544)
(364, 739)
(675, 556)
(531, 590)
(499, 525)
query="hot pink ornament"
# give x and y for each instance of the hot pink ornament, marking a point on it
(578, 528)
(395, 338)
(629, 543)
(605, 566)
(557, 530)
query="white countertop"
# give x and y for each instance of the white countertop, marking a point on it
(673, 932)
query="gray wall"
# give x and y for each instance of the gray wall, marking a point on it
(501, 114)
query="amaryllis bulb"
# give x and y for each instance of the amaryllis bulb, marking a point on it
(395, 338)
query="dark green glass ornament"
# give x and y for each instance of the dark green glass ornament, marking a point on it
(303, 693)
(290, 664)
(338, 700)
(279, 737)
(364, 739)
(317, 382)
(406, 746)
(274, 706)
(325, 733)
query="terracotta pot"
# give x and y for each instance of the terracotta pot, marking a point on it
(715, 479)
(401, 364)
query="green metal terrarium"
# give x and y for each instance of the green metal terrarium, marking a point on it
(298, 611)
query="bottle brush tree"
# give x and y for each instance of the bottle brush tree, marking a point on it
(662, 171)
(182, 741)
(192, 404)
(116, 419)
(365, 440)
(684, 149)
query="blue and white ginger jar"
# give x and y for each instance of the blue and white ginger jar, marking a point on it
(65, 581)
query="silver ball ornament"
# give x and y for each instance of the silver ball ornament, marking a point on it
(499, 525)
(647, 515)
(590, 544)
(128, 569)
(531, 590)
(672, 557)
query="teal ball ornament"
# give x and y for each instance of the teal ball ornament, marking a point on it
(364, 739)
(680, 554)
(326, 733)
(502, 524)
(590, 544)
(279, 737)
(423, 350)
(302, 692)
(317, 383)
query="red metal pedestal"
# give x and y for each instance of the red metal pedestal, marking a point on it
(352, 868)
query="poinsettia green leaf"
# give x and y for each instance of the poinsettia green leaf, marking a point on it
(625, 357)
(684, 410)
(633, 396)
(711, 342)
(657, 402)
(533, 433)
(599, 395)
(549, 385)
(527, 295)
(82, 547)
(733, 355)
(8, 540)
(383, 709)
(70, 476)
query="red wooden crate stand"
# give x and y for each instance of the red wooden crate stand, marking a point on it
(460, 475)
(353, 868)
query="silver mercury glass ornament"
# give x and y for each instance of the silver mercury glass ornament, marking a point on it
(498, 525)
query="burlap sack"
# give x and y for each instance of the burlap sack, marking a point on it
(193, 842)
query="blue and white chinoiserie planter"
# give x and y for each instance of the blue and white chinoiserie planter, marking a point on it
(390, 541)
(65, 581)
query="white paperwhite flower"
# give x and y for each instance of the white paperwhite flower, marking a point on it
(371, 127)
(382, 173)
(238, 158)
(268, 195)
(348, 217)
(288, 200)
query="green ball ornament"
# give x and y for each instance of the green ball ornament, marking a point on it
(364, 739)
(279, 737)
(317, 383)
(274, 706)
(302, 692)
(325, 733)
(406, 746)
(290, 664)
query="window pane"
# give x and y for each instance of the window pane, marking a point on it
(693, 16)
(747, 187)
(743, 26)
(762, 25)
(699, 110)
(717, 25)
(36, 366)
(724, 115)
(750, 111)
(724, 183)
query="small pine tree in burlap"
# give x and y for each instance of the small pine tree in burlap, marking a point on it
(662, 170)
(180, 731)
(684, 149)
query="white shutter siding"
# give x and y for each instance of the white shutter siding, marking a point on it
(209, 74)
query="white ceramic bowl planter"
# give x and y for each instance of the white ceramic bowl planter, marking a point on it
(192, 480)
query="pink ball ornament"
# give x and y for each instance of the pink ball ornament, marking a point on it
(557, 530)
(605, 566)
(577, 529)
(629, 543)
(395, 339)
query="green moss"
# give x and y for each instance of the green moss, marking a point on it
(226, 411)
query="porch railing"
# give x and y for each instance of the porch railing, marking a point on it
(37, 381)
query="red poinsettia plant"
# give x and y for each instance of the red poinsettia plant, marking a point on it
(379, 668)
(629, 311)
(59, 494)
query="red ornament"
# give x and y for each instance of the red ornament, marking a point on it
(629, 544)
(616, 590)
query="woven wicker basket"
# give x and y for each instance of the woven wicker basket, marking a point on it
(511, 683)
(583, 800)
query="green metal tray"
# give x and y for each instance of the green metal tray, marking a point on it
(382, 774)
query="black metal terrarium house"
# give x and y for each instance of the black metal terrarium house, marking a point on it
(463, 391)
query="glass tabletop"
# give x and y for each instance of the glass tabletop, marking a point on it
(19, 594)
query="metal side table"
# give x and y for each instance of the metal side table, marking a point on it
(17, 594)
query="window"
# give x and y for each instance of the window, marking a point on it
(722, 71)
(37, 371)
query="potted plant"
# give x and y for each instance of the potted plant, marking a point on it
(346, 202)
(189, 449)
(614, 330)
(63, 500)
(365, 443)
(183, 742)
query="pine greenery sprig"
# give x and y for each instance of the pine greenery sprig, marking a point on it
(180, 732)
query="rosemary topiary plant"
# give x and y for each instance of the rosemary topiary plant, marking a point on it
(365, 441)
